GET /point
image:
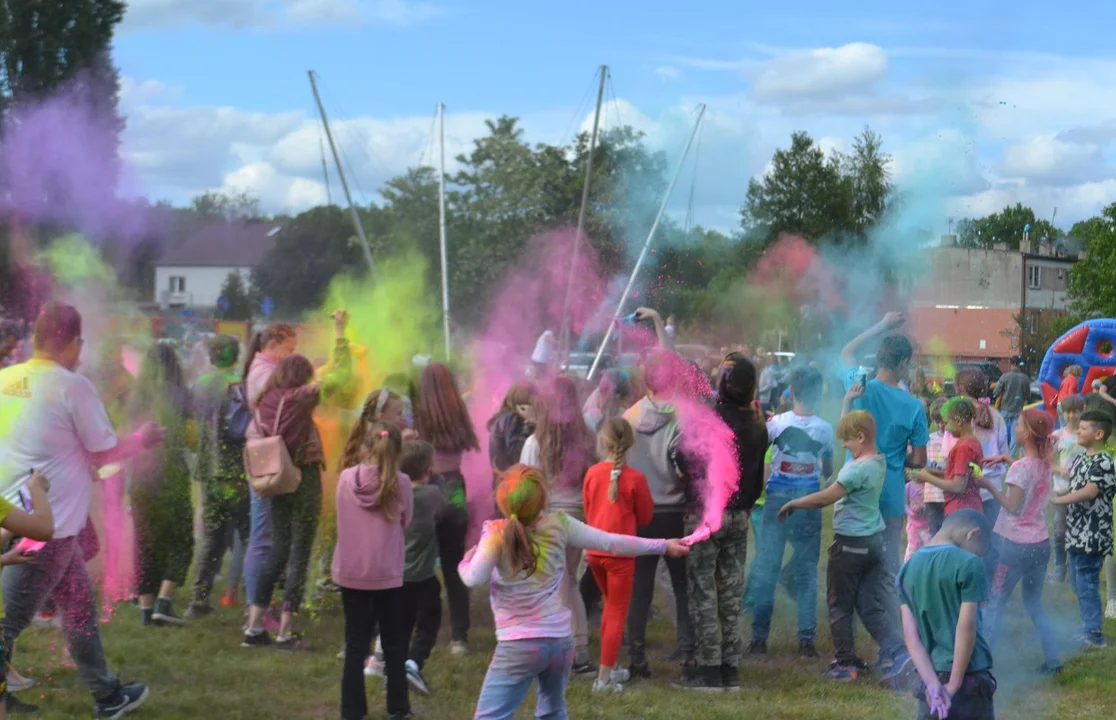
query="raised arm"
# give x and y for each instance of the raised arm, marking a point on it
(657, 320)
(851, 351)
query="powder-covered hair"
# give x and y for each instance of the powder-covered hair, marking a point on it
(382, 446)
(856, 423)
(566, 445)
(441, 417)
(615, 439)
(522, 498)
(371, 411)
(1039, 425)
(974, 384)
(959, 408)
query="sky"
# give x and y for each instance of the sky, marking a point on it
(981, 104)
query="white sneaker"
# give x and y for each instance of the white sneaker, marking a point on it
(414, 676)
(18, 683)
(605, 687)
(1110, 611)
(620, 675)
(374, 667)
(458, 647)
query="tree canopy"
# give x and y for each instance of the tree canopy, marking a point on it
(1005, 227)
(1091, 287)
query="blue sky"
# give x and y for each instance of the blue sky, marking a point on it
(981, 103)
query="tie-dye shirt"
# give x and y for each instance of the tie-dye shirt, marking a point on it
(1033, 477)
(530, 606)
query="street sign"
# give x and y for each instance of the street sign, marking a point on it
(189, 315)
(267, 306)
(223, 304)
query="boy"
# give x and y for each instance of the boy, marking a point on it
(422, 593)
(964, 459)
(857, 577)
(1092, 484)
(941, 588)
(1066, 451)
(803, 455)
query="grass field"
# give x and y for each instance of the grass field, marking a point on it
(202, 672)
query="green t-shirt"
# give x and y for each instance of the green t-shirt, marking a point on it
(858, 513)
(933, 584)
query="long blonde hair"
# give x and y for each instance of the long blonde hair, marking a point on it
(383, 443)
(616, 439)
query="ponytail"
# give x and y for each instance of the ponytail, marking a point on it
(1039, 425)
(275, 331)
(616, 439)
(254, 347)
(369, 413)
(974, 384)
(522, 497)
(383, 444)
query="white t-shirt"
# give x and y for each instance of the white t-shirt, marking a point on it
(544, 348)
(800, 443)
(52, 420)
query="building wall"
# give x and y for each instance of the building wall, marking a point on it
(1053, 283)
(967, 278)
(202, 284)
(961, 333)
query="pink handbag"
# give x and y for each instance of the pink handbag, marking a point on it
(268, 464)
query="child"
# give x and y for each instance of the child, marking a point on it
(617, 500)
(374, 505)
(510, 427)
(857, 578)
(1025, 541)
(941, 589)
(422, 593)
(964, 461)
(803, 455)
(1066, 451)
(524, 559)
(933, 497)
(990, 431)
(918, 518)
(1089, 520)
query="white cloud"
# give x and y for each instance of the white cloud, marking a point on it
(824, 72)
(668, 72)
(1050, 161)
(263, 14)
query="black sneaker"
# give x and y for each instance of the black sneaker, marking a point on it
(586, 667)
(255, 640)
(701, 677)
(640, 670)
(758, 648)
(165, 615)
(145, 617)
(126, 699)
(199, 610)
(18, 707)
(730, 678)
(806, 650)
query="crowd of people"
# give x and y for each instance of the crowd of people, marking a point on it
(939, 511)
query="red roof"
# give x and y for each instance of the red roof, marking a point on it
(960, 332)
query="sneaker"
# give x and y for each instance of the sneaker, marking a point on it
(901, 674)
(619, 675)
(164, 614)
(126, 699)
(730, 678)
(16, 706)
(373, 667)
(639, 670)
(806, 650)
(845, 673)
(1110, 610)
(459, 647)
(255, 640)
(18, 683)
(199, 610)
(1092, 641)
(586, 667)
(1050, 667)
(758, 648)
(293, 641)
(702, 678)
(414, 676)
(145, 617)
(601, 686)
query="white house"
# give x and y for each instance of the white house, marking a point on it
(192, 273)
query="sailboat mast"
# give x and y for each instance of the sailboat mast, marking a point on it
(564, 334)
(442, 224)
(341, 174)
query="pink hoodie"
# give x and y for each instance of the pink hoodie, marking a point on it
(370, 551)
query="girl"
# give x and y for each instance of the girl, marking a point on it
(933, 499)
(160, 488)
(563, 448)
(1025, 541)
(1071, 383)
(991, 431)
(1066, 451)
(524, 559)
(964, 460)
(442, 419)
(374, 504)
(286, 408)
(613, 395)
(617, 500)
(918, 518)
(510, 427)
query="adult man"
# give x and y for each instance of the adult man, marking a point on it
(1014, 392)
(52, 421)
(900, 420)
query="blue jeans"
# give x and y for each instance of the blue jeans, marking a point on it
(1009, 423)
(1084, 571)
(516, 664)
(259, 543)
(803, 530)
(756, 520)
(1026, 563)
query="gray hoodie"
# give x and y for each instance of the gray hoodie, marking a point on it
(655, 453)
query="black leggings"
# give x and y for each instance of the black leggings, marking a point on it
(164, 524)
(294, 522)
(451, 533)
(364, 609)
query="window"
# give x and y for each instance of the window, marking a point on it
(1034, 277)
(177, 284)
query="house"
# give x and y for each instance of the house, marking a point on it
(192, 273)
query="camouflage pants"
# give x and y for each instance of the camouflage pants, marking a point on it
(715, 580)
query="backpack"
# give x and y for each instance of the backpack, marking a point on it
(235, 417)
(267, 461)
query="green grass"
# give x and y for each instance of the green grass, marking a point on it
(202, 672)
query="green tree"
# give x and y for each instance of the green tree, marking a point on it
(867, 169)
(1006, 226)
(228, 206)
(238, 297)
(1091, 289)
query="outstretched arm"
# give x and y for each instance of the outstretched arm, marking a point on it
(814, 501)
(850, 352)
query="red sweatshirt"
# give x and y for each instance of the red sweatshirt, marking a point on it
(633, 506)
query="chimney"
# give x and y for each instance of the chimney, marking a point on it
(1044, 248)
(949, 240)
(1001, 247)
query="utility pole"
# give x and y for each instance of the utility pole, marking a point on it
(341, 174)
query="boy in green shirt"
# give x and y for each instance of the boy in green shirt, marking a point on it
(941, 588)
